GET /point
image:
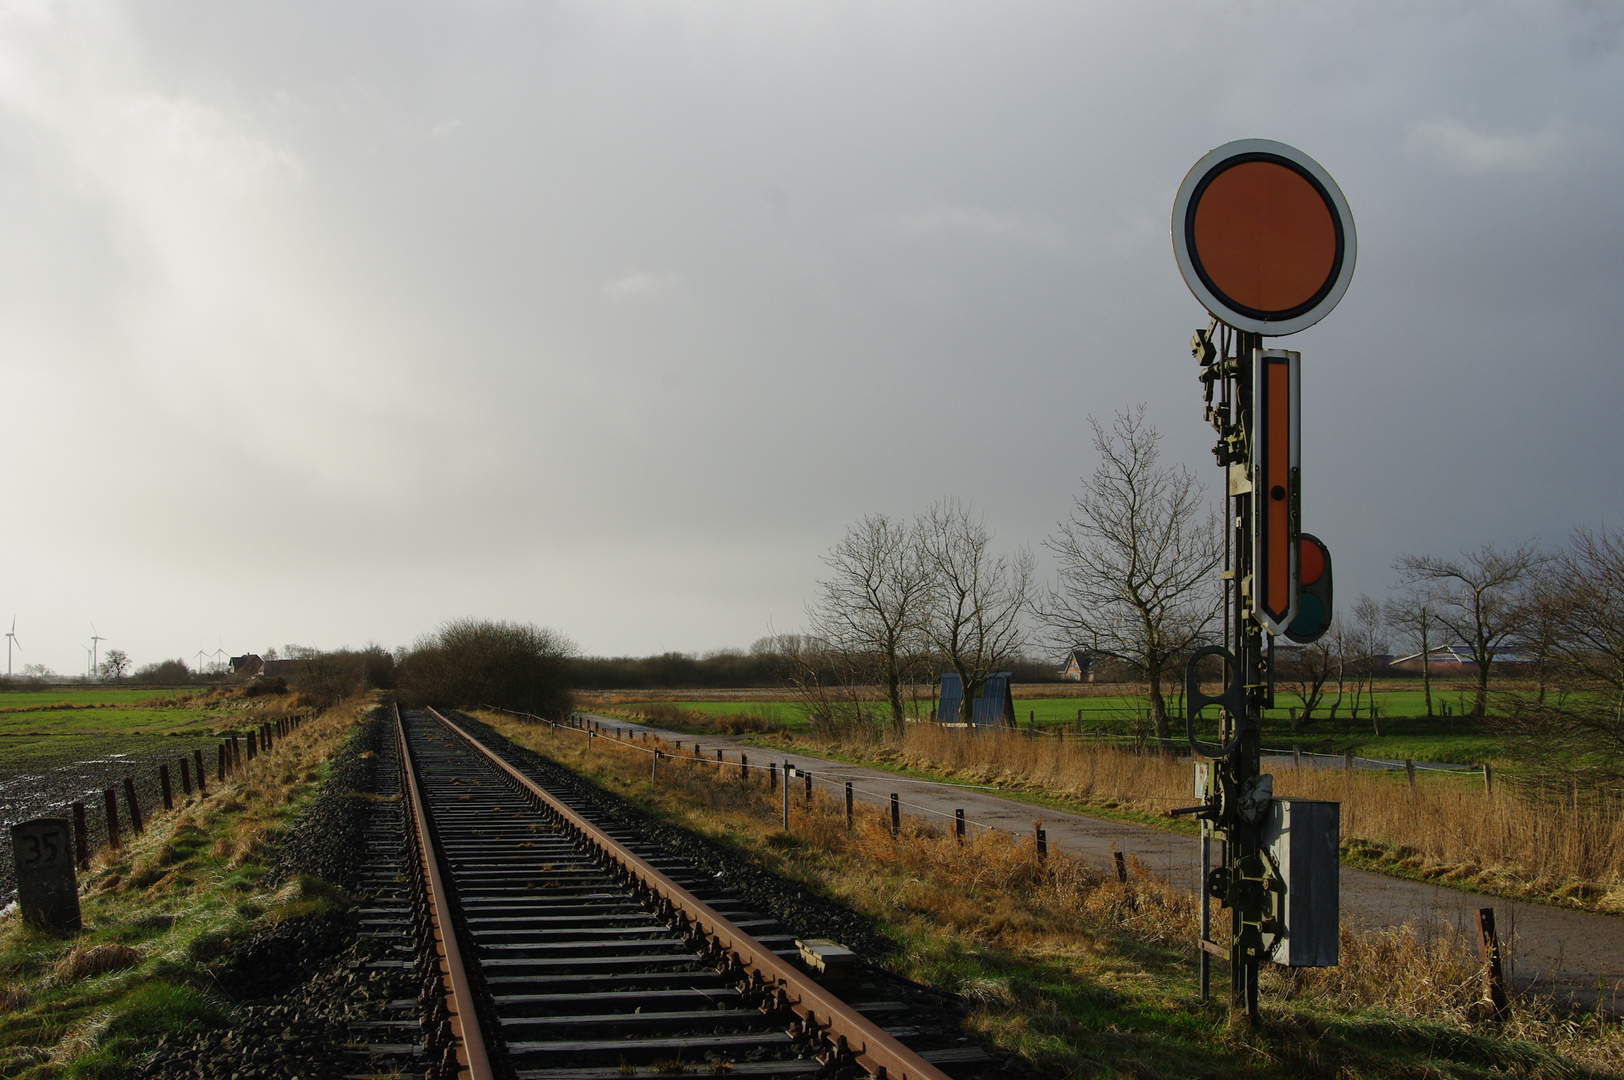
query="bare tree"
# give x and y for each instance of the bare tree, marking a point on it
(832, 683)
(874, 603)
(1590, 575)
(1583, 600)
(1137, 560)
(1570, 733)
(115, 665)
(1411, 614)
(1369, 640)
(1481, 600)
(1304, 671)
(1338, 639)
(978, 601)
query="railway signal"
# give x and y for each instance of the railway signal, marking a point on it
(1313, 591)
(1265, 241)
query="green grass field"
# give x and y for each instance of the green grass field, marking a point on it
(112, 721)
(94, 695)
(1404, 737)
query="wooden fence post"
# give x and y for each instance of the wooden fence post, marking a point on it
(136, 824)
(1488, 946)
(1121, 866)
(164, 788)
(1043, 843)
(110, 801)
(958, 825)
(1488, 779)
(896, 815)
(848, 804)
(81, 836)
(202, 782)
(185, 777)
(1409, 768)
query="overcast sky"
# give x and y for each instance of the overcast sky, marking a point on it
(325, 323)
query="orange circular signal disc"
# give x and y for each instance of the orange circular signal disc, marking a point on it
(1310, 562)
(1265, 236)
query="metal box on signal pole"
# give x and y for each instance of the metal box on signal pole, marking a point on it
(1301, 836)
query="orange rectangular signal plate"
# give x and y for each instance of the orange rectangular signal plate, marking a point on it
(1276, 470)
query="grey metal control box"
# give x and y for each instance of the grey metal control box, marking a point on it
(1302, 836)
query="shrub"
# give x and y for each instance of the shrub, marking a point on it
(325, 679)
(473, 662)
(165, 673)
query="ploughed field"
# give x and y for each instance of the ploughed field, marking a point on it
(62, 746)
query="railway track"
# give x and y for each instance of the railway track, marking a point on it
(570, 947)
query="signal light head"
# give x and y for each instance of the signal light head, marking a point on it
(1313, 591)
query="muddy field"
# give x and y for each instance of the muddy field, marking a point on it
(43, 775)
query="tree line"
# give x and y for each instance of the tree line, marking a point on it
(1137, 586)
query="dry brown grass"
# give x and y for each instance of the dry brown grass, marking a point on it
(1444, 828)
(87, 963)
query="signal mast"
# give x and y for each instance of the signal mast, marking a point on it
(1264, 239)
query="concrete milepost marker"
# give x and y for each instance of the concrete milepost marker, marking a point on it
(47, 888)
(1263, 237)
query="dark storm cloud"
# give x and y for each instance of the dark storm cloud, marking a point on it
(329, 322)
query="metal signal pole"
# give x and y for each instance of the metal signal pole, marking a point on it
(1231, 790)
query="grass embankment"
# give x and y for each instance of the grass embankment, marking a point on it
(1445, 829)
(156, 912)
(1084, 976)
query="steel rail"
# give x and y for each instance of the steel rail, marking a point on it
(467, 1039)
(850, 1033)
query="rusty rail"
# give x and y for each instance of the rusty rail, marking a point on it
(467, 1040)
(849, 1034)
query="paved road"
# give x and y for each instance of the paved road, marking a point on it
(1555, 951)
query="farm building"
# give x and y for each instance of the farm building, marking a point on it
(1450, 658)
(1081, 666)
(993, 707)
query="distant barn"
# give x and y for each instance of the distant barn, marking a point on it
(247, 665)
(1080, 666)
(994, 707)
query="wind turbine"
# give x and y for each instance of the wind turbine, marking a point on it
(11, 639)
(200, 655)
(95, 649)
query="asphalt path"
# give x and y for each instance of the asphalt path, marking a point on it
(1562, 953)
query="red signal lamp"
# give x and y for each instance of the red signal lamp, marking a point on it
(1313, 591)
